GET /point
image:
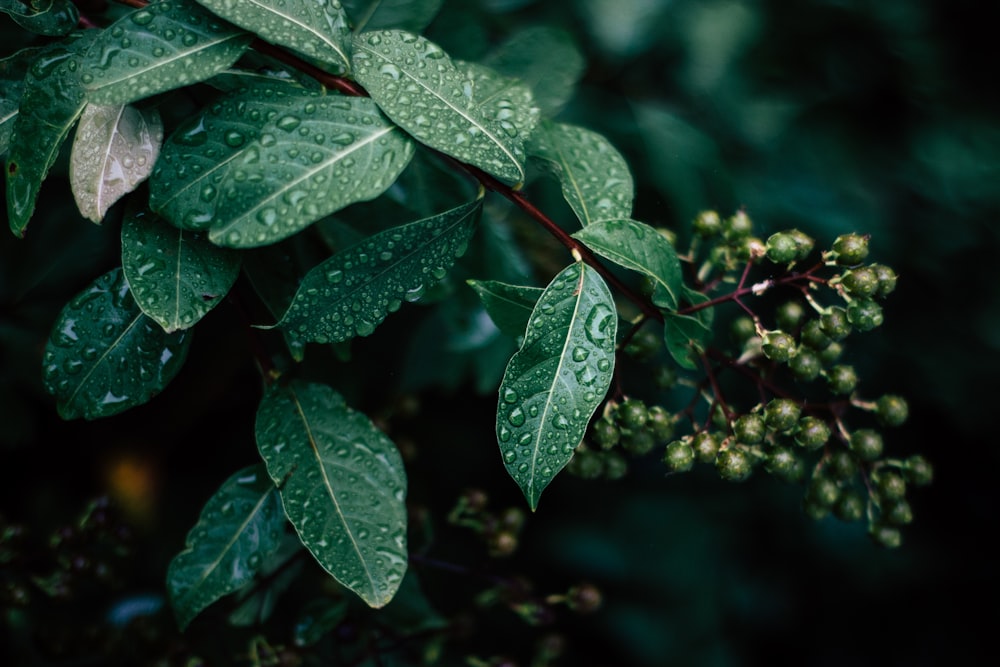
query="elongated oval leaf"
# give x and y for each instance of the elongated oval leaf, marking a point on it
(412, 15)
(342, 484)
(105, 356)
(251, 184)
(240, 526)
(162, 46)
(506, 101)
(415, 83)
(176, 276)
(12, 73)
(686, 336)
(44, 17)
(114, 150)
(595, 179)
(315, 28)
(637, 246)
(546, 59)
(558, 377)
(509, 306)
(352, 292)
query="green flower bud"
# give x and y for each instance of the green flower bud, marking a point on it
(782, 414)
(737, 226)
(891, 486)
(812, 433)
(782, 248)
(834, 323)
(823, 491)
(864, 314)
(803, 243)
(733, 465)
(706, 446)
(842, 379)
(679, 456)
(805, 365)
(867, 444)
(707, 224)
(783, 463)
(742, 329)
(891, 410)
(615, 465)
(632, 414)
(918, 470)
(897, 513)
(850, 249)
(886, 536)
(831, 353)
(850, 506)
(778, 346)
(813, 336)
(886, 280)
(749, 428)
(842, 465)
(661, 423)
(860, 282)
(639, 442)
(790, 315)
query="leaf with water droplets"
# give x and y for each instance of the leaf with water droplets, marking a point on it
(595, 179)
(266, 162)
(351, 293)
(506, 101)
(162, 46)
(558, 377)
(638, 247)
(241, 525)
(415, 83)
(114, 150)
(509, 306)
(315, 28)
(105, 356)
(686, 336)
(342, 484)
(412, 15)
(43, 17)
(12, 73)
(175, 275)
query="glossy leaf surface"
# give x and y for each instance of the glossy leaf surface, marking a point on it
(504, 100)
(114, 150)
(415, 83)
(595, 179)
(558, 377)
(509, 306)
(162, 46)
(12, 72)
(686, 336)
(105, 356)
(240, 526)
(266, 162)
(175, 275)
(44, 17)
(352, 292)
(637, 246)
(411, 15)
(546, 60)
(315, 28)
(342, 485)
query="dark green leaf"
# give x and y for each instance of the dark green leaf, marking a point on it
(256, 601)
(252, 181)
(44, 17)
(176, 276)
(686, 336)
(12, 73)
(105, 356)
(509, 306)
(557, 379)
(162, 46)
(415, 83)
(506, 101)
(595, 178)
(318, 618)
(637, 246)
(411, 15)
(342, 485)
(315, 28)
(240, 526)
(352, 292)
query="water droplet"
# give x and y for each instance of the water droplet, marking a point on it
(516, 417)
(580, 354)
(599, 323)
(504, 434)
(142, 17)
(189, 39)
(509, 456)
(288, 123)
(509, 395)
(560, 422)
(604, 365)
(208, 193)
(235, 139)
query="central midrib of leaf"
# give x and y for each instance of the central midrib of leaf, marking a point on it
(100, 360)
(572, 179)
(177, 281)
(107, 148)
(321, 36)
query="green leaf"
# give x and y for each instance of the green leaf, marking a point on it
(352, 292)
(240, 526)
(253, 183)
(162, 46)
(506, 101)
(318, 618)
(12, 73)
(105, 356)
(114, 150)
(176, 276)
(254, 603)
(557, 379)
(687, 335)
(411, 15)
(342, 485)
(51, 103)
(595, 179)
(545, 59)
(315, 28)
(509, 306)
(415, 83)
(637, 246)
(44, 17)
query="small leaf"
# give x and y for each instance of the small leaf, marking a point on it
(52, 18)
(240, 526)
(105, 356)
(637, 246)
(12, 73)
(318, 618)
(162, 46)
(595, 179)
(254, 603)
(342, 484)
(114, 150)
(176, 276)
(351, 293)
(252, 182)
(415, 83)
(509, 306)
(557, 379)
(412, 15)
(506, 101)
(686, 336)
(315, 28)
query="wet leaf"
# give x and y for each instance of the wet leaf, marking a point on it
(162, 46)
(114, 150)
(315, 28)
(351, 293)
(506, 101)
(240, 527)
(176, 276)
(412, 15)
(342, 485)
(686, 336)
(637, 246)
(105, 356)
(509, 306)
(595, 179)
(43, 17)
(415, 83)
(12, 73)
(558, 377)
(251, 181)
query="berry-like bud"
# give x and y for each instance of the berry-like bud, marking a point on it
(782, 462)
(707, 224)
(782, 414)
(749, 428)
(605, 433)
(891, 486)
(778, 346)
(644, 345)
(886, 280)
(789, 315)
(812, 433)
(897, 513)
(512, 519)
(867, 444)
(639, 442)
(842, 379)
(918, 470)
(782, 248)
(823, 491)
(584, 598)
(891, 410)
(864, 314)
(750, 248)
(585, 464)
(886, 536)
(661, 424)
(737, 226)
(860, 282)
(842, 465)
(813, 336)
(706, 446)
(805, 365)
(632, 414)
(850, 249)
(831, 354)
(733, 465)
(742, 329)
(850, 506)
(803, 243)
(834, 323)
(665, 377)
(615, 465)
(679, 456)
(502, 543)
